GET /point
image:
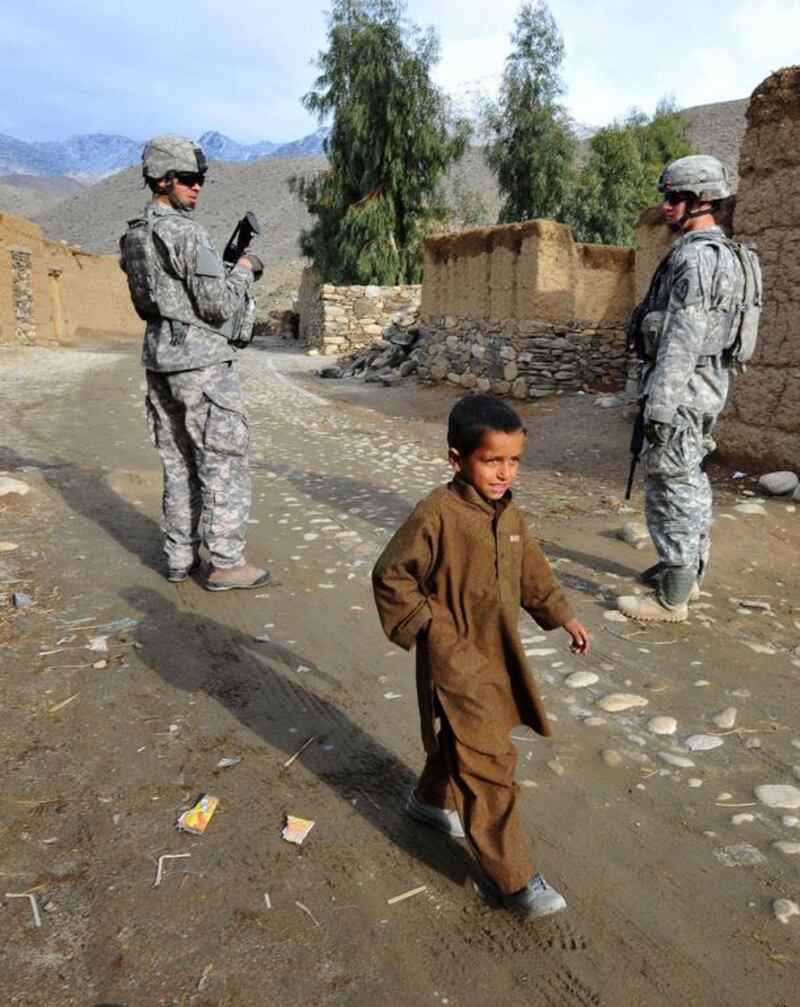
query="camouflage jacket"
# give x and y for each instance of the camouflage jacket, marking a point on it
(191, 273)
(698, 294)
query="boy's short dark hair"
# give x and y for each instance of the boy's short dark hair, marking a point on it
(473, 416)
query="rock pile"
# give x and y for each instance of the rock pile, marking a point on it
(386, 360)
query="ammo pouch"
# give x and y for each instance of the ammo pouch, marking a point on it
(242, 324)
(650, 328)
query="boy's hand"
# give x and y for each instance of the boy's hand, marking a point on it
(581, 644)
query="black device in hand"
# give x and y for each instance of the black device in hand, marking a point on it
(240, 239)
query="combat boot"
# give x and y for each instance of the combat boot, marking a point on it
(649, 608)
(230, 578)
(668, 603)
(652, 576)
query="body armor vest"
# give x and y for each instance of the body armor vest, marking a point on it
(156, 292)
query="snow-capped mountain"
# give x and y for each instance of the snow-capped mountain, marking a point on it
(94, 156)
(470, 99)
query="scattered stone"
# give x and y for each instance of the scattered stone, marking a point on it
(694, 782)
(556, 766)
(703, 742)
(614, 615)
(761, 648)
(778, 484)
(672, 759)
(726, 719)
(607, 401)
(724, 796)
(580, 679)
(634, 534)
(764, 606)
(740, 855)
(9, 485)
(594, 721)
(331, 371)
(790, 821)
(750, 508)
(662, 725)
(8, 546)
(742, 819)
(611, 757)
(20, 599)
(753, 743)
(778, 795)
(784, 909)
(787, 847)
(618, 701)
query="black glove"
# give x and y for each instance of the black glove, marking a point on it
(257, 264)
(657, 433)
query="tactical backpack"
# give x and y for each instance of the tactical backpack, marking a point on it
(744, 330)
(644, 326)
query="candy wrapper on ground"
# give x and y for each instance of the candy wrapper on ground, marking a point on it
(296, 829)
(196, 819)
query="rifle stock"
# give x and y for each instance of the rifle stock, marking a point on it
(240, 239)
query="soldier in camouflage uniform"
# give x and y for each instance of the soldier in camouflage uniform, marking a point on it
(686, 325)
(195, 405)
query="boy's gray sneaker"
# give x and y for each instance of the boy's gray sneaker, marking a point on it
(230, 578)
(439, 818)
(178, 574)
(537, 898)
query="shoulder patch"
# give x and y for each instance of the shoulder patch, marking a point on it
(208, 262)
(681, 289)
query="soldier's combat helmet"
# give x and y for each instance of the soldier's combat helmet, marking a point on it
(702, 175)
(170, 153)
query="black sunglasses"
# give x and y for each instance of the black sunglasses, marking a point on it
(190, 178)
(673, 198)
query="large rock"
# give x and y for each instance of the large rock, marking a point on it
(778, 484)
(9, 485)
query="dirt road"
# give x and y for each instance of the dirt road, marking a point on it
(121, 693)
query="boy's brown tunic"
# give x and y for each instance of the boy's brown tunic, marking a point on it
(463, 568)
(459, 568)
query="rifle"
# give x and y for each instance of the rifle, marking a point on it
(637, 443)
(240, 239)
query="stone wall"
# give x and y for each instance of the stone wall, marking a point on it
(339, 321)
(761, 424)
(53, 293)
(525, 359)
(525, 310)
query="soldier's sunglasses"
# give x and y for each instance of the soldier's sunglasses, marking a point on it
(673, 198)
(190, 178)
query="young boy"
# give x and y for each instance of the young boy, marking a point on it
(451, 581)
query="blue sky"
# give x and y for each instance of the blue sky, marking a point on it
(85, 66)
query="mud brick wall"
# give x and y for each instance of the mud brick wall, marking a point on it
(761, 423)
(338, 321)
(52, 293)
(525, 310)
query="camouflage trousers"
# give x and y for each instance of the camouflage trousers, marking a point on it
(678, 496)
(197, 421)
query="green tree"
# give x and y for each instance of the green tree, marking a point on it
(618, 179)
(390, 145)
(531, 146)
